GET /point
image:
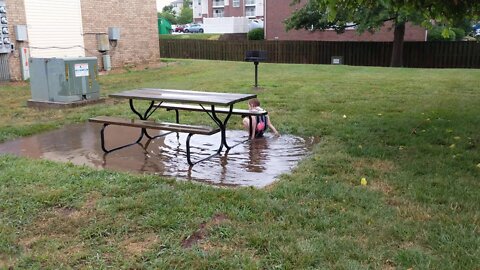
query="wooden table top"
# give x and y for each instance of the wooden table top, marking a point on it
(184, 96)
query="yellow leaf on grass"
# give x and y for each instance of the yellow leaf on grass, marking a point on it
(363, 182)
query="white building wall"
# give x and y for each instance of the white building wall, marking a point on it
(199, 7)
(228, 25)
(259, 9)
(177, 6)
(55, 28)
(204, 6)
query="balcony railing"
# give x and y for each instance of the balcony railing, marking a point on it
(218, 3)
(218, 14)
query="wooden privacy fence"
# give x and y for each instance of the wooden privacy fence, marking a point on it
(416, 54)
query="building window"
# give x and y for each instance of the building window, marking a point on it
(218, 12)
(199, 2)
(236, 3)
(249, 2)
(250, 11)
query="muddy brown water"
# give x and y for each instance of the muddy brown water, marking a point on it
(255, 163)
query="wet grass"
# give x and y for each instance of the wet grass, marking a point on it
(414, 134)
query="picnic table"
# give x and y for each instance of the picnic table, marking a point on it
(211, 103)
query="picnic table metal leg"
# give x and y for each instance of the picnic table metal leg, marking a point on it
(102, 141)
(143, 132)
(222, 125)
(177, 117)
(142, 117)
(189, 160)
(150, 110)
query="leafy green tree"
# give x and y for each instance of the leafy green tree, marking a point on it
(186, 15)
(168, 9)
(435, 34)
(169, 14)
(371, 15)
(187, 3)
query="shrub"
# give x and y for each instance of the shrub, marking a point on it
(256, 34)
(459, 33)
(435, 34)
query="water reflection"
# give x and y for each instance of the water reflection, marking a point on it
(257, 153)
(253, 163)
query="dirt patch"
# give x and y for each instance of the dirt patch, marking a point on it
(201, 233)
(15, 83)
(380, 166)
(406, 245)
(65, 211)
(5, 263)
(60, 223)
(127, 68)
(136, 247)
(409, 210)
(382, 187)
(389, 265)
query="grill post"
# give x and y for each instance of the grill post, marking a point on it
(256, 57)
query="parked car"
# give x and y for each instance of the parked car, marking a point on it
(179, 28)
(254, 24)
(193, 28)
(476, 29)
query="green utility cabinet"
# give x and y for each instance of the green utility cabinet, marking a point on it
(64, 79)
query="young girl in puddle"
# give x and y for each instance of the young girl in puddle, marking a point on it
(259, 122)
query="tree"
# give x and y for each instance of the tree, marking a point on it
(169, 14)
(186, 15)
(187, 3)
(371, 15)
(168, 9)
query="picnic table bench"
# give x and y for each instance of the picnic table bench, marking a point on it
(196, 108)
(146, 124)
(159, 98)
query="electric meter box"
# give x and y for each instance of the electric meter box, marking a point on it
(21, 32)
(6, 45)
(64, 79)
(113, 33)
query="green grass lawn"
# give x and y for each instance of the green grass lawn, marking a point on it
(191, 36)
(414, 134)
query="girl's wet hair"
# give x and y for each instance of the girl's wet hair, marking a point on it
(254, 102)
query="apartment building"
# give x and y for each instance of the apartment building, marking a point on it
(279, 10)
(252, 9)
(178, 6)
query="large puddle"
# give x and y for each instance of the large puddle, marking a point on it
(254, 163)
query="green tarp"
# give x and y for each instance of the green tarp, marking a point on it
(164, 26)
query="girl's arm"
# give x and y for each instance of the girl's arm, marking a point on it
(269, 123)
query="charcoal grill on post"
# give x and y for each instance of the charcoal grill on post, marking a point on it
(256, 57)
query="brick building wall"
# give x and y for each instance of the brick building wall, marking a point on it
(231, 11)
(137, 20)
(279, 10)
(16, 16)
